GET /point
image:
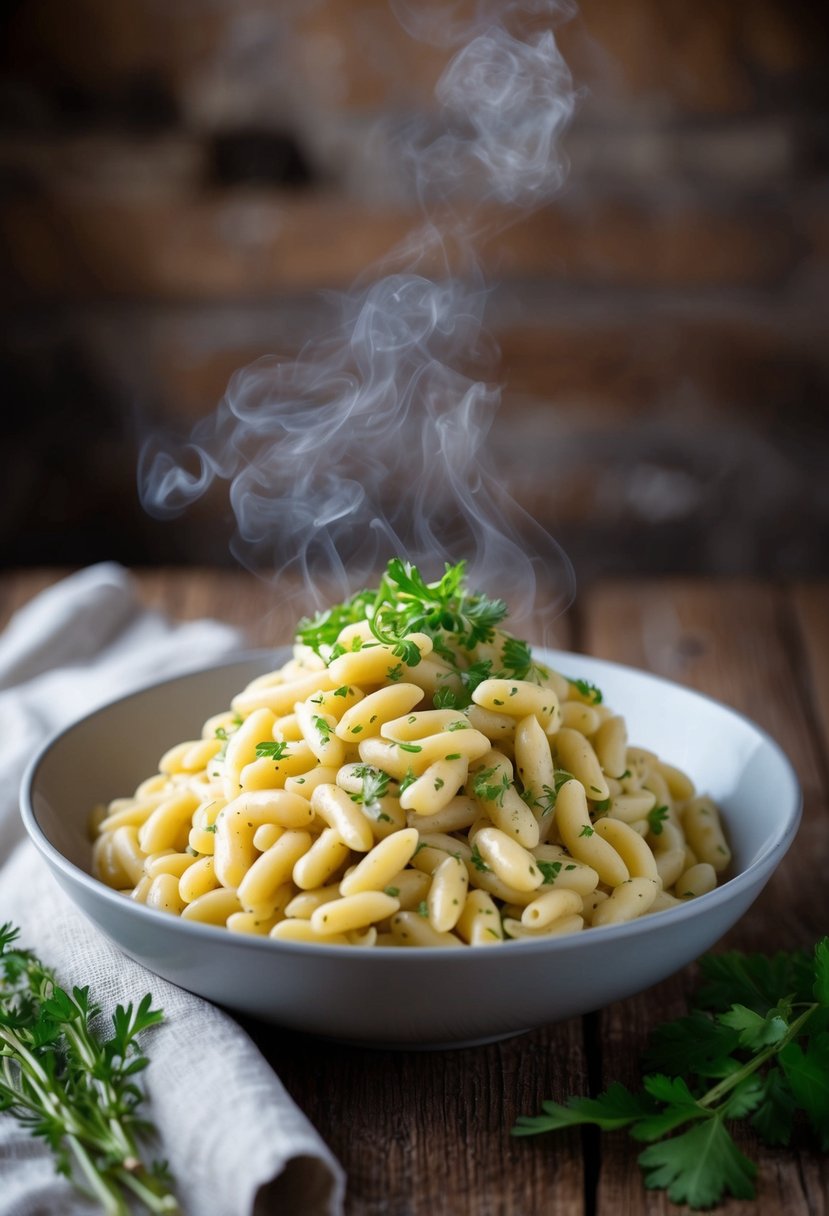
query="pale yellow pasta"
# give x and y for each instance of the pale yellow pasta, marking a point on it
(198, 879)
(128, 854)
(376, 870)
(680, 784)
(372, 663)
(491, 784)
(168, 863)
(663, 901)
(281, 698)
(436, 787)
(325, 856)
(698, 879)
(132, 815)
(577, 716)
(576, 756)
(234, 850)
(701, 823)
(630, 807)
(411, 929)
(318, 732)
(533, 761)
(297, 930)
(512, 863)
(459, 813)
(266, 835)
(610, 744)
(353, 912)
(139, 892)
(656, 783)
(479, 923)
(516, 929)
(518, 698)
(427, 722)
(410, 887)
(241, 748)
(580, 838)
(337, 701)
(272, 869)
(173, 760)
(630, 846)
(306, 902)
(337, 809)
(163, 894)
(590, 903)
(169, 824)
(214, 908)
(626, 902)
(549, 907)
(670, 864)
(446, 843)
(305, 783)
(447, 894)
(432, 676)
(563, 871)
(268, 773)
(251, 922)
(357, 800)
(499, 728)
(385, 816)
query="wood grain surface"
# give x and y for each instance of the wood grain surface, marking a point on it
(427, 1133)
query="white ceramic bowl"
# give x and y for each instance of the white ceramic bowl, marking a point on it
(420, 997)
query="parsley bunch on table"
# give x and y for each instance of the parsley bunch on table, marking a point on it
(754, 1047)
(75, 1088)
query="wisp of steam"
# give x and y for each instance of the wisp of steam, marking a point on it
(372, 441)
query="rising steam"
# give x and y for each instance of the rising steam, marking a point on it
(373, 441)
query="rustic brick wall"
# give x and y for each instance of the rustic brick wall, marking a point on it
(177, 181)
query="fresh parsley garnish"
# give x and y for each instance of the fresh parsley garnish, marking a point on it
(75, 1085)
(478, 861)
(549, 794)
(404, 603)
(760, 1032)
(445, 698)
(550, 870)
(408, 779)
(487, 786)
(656, 818)
(375, 784)
(589, 691)
(271, 751)
(322, 727)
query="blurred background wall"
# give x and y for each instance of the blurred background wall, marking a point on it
(179, 178)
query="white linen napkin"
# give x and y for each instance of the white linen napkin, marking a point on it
(235, 1141)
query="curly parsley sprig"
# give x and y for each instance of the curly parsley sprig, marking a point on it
(760, 1032)
(455, 619)
(75, 1089)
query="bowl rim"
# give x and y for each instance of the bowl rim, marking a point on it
(760, 869)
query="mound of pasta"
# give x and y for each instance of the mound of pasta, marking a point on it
(412, 777)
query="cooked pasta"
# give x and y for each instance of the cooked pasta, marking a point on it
(412, 777)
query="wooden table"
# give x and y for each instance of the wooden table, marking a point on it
(422, 1133)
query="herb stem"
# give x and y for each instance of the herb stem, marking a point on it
(756, 1062)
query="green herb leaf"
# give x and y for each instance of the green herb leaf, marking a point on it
(271, 751)
(614, 1109)
(656, 818)
(700, 1166)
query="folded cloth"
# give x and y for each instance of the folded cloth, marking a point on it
(234, 1140)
